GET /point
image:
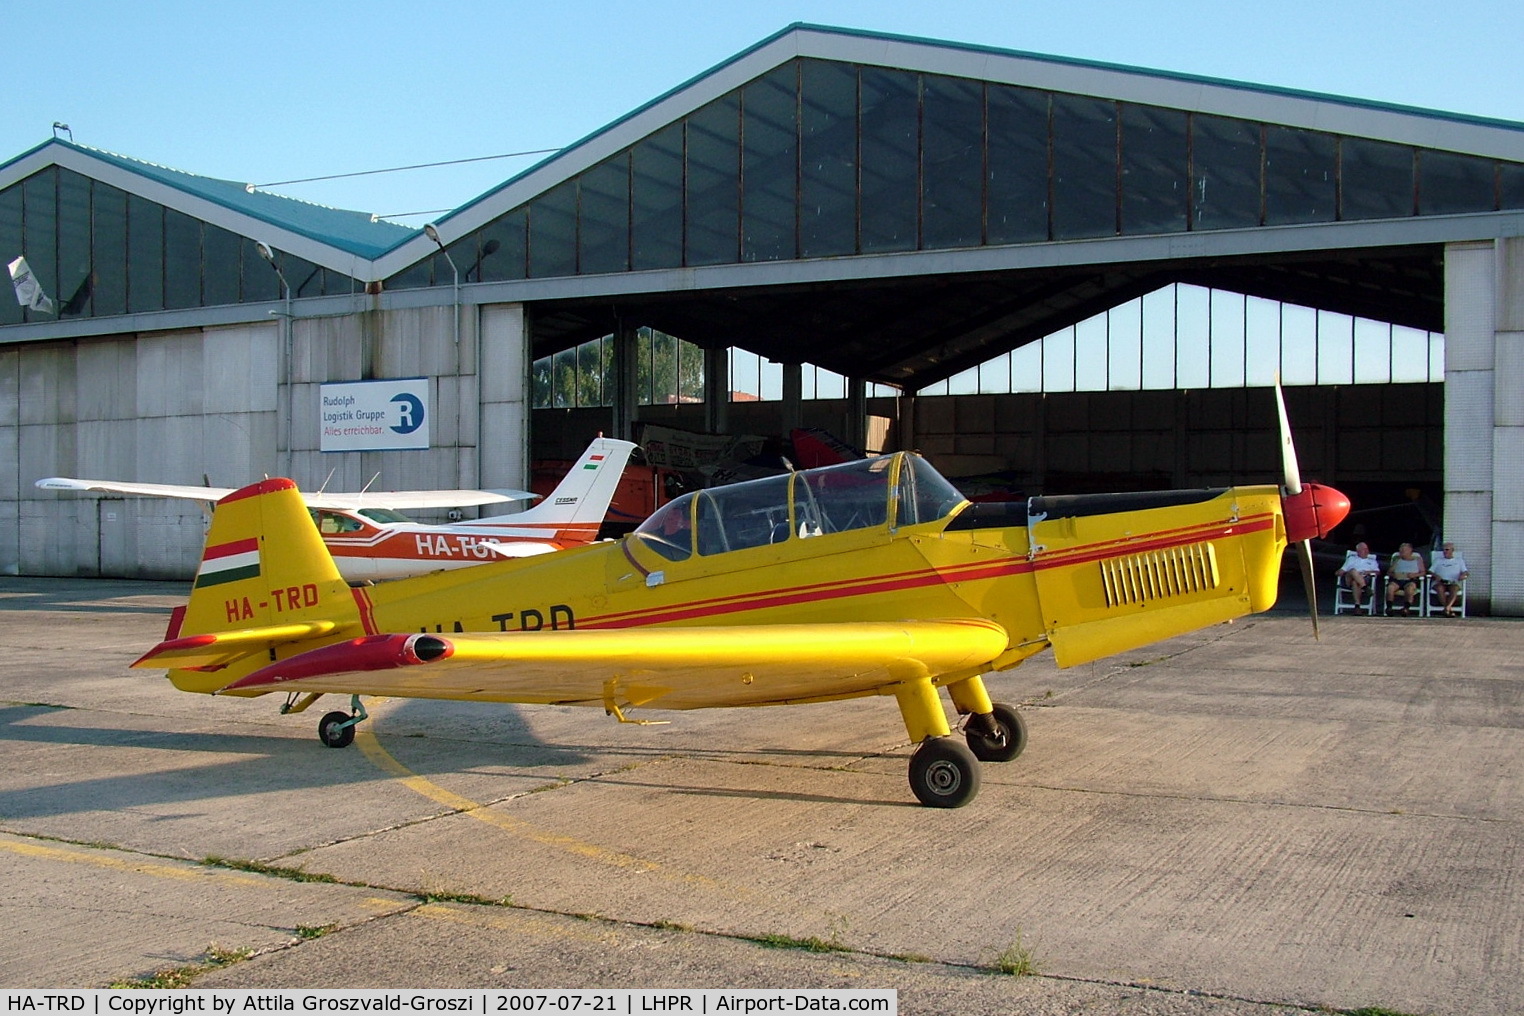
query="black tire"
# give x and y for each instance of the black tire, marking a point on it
(944, 773)
(333, 733)
(1007, 743)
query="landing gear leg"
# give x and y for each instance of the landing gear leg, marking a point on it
(996, 736)
(337, 729)
(995, 731)
(943, 773)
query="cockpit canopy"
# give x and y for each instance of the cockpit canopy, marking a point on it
(888, 491)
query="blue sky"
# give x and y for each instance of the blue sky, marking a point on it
(283, 89)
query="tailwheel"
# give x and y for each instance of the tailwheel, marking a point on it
(997, 736)
(944, 773)
(337, 729)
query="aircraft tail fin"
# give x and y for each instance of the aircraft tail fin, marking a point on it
(576, 508)
(265, 581)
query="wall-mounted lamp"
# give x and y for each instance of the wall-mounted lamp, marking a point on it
(432, 232)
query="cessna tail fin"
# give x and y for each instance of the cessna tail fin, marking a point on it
(265, 580)
(576, 508)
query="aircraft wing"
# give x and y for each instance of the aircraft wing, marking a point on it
(140, 489)
(669, 668)
(400, 499)
(397, 499)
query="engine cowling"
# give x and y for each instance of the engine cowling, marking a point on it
(1313, 511)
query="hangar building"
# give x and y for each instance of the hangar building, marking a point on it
(893, 210)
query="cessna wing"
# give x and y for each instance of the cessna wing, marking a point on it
(397, 499)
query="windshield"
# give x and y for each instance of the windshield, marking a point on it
(796, 506)
(384, 515)
(923, 494)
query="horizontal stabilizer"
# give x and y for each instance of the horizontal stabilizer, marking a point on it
(221, 648)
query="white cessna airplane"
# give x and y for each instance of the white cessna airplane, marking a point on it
(371, 540)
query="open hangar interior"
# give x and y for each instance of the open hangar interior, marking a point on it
(894, 210)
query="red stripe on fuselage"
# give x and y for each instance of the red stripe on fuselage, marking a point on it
(367, 611)
(921, 578)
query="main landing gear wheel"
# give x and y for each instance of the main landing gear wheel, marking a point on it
(336, 730)
(1002, 744)
(944, 773)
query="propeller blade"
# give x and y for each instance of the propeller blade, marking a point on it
(1291, 476)
(1304, 558)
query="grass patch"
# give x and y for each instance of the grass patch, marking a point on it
(311, 931)
(273, 870)
(1371, 1010)
(808, 944)
(215, 958)
(663, 924)
(1018, 960)
(471, 899)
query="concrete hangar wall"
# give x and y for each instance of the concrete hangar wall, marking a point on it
(213, 404)
(892, 209)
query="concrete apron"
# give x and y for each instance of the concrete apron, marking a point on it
(1223, 822)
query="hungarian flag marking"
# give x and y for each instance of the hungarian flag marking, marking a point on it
(229, 562)
(592, 461)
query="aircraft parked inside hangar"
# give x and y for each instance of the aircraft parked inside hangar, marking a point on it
(872, 577)
(369, 539)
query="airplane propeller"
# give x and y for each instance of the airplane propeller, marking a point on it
(1310, 510)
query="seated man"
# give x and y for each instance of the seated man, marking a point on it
(1360, 568)
(1449, 573)
(1405, 574)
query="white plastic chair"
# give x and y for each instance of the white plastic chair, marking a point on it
(1434, 603)
(1344, 597)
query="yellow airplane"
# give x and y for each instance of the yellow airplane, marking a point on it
(873, 577)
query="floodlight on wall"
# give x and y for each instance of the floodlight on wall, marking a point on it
(432, 232)
(287, 352)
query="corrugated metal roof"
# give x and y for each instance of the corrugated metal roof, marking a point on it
(356, 232)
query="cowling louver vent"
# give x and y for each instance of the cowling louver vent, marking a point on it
(1159, 574)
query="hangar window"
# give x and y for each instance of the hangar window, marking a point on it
(73, 292)
(713, 183)
(11, 244)
(1084, 167)
(669, 371)
(501, 249)
(1017, 170)
(1185, 336)
(603, 241)
(828, 159)
(1450, 183)
(108, 245)
(145, 265)
(769, 165)
(1225, 172)
(182, 260)
(1375, 179)
(1154, 171)
(890, 145)
(220, 269)
(1510, 185)
(952, 162)
(656, 208)
(1300, 176)
(553, 232)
